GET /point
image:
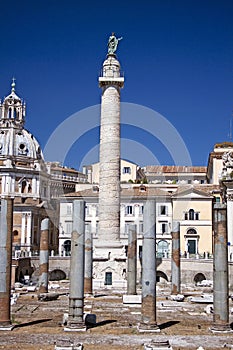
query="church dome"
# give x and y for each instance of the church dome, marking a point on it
(19, 143)
(15, 141)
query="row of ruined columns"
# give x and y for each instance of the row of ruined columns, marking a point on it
(81, 266)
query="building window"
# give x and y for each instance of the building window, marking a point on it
(129, 210)
(97, 228)
(127, 224)
(141, 210)
(217, 199)
(192, 215)
(140, 252)
(44, 191)
(164, 227)
(191, 231)
(163, 210)
(67, 247)
(97, 210)
(126, 170)
(108, 278)
(162, 248)
(69, 209)
(141, 227)
(24, 185)
(69, 227)
(87, 210)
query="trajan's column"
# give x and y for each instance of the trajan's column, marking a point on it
(109, 255)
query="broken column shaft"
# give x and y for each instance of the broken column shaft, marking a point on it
(149, 269)
(44, 256)
(88, 262)
(76, 298)
(220, 271)
(6, 226)
(175, 261)
(132, 260)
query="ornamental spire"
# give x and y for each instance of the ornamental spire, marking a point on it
(13, 85)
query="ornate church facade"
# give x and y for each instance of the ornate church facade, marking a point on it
(24, 176)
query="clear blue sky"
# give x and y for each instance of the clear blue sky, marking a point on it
(177, 58)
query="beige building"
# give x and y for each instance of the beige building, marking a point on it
(192, 207)
(128, 172)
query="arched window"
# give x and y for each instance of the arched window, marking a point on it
(191, 214)
(24, 186)
(162, 247)
(67, 247)
(191, 231)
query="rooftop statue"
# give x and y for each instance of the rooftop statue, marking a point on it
(227, 158)
(112, 43)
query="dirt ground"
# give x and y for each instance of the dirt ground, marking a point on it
(38, 325)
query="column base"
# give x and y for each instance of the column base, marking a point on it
(68, 345)
(221, 328)
(72, 347)
(158, 345)
(148, 328)
(7, 327)
(75, 327)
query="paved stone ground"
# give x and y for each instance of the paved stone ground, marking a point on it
(38, 325)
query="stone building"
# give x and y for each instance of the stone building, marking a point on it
(64, 179)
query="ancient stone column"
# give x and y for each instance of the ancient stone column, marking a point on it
(109, 252)
(76, 297)
(175, 260)
(88, 262)
(132, 260)
(44, 257)
(149, 322)
(6, 226)
(109, 173)
(220, 273)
